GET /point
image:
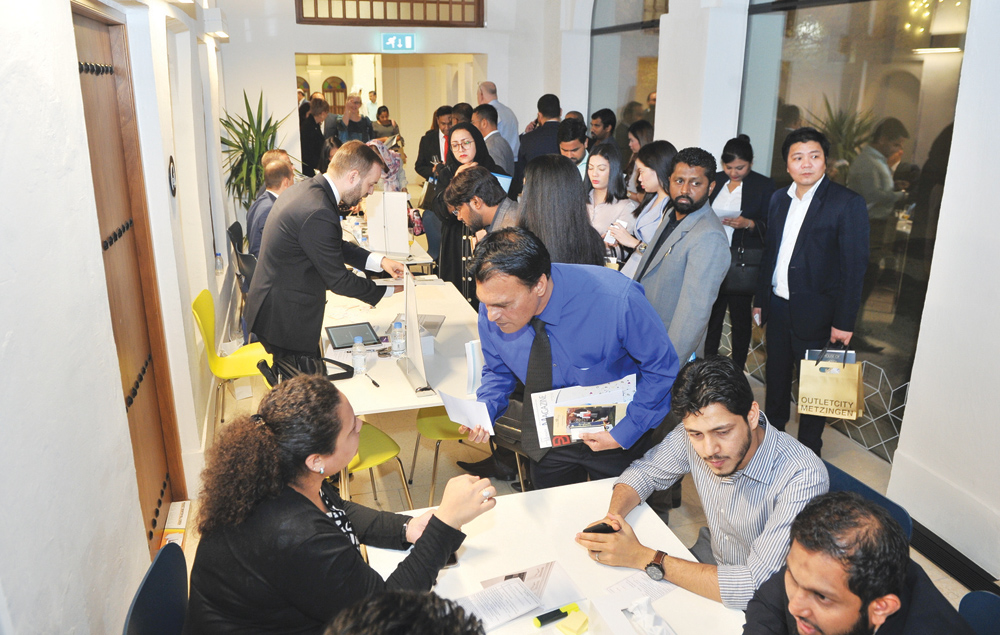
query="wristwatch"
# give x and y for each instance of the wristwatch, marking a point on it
(655, 568)
(641, 248)
(406, 526)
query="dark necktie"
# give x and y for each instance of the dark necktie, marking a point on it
(537, 379)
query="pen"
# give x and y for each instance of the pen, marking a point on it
(553, 616)
(375, 383)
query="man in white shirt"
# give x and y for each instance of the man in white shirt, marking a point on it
(506, 119)
(371, 107)
(809, 290)
(572, 138)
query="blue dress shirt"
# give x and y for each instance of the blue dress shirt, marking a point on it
(601, 328)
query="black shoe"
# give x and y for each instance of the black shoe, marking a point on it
(517, 487)
(489, 468)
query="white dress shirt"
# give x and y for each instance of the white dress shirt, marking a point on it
(793, 223)
(374, 261)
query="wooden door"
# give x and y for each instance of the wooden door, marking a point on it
(131, 278)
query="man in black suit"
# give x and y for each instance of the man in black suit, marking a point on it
(434, 144)
(809, 290)
(303, 255)
(540, 138)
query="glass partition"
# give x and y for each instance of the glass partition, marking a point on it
(845, 68)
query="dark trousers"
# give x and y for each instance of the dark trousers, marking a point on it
(784, 352)
(739, 307)
(573, 463)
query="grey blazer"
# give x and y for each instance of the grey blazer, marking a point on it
(501, 152)
(683, 277)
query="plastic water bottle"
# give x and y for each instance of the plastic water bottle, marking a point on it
(364, 242)
(359, 356)
(220, 266)
(398, 339)
(356, 230)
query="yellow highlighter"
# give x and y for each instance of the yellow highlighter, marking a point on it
(553, 616)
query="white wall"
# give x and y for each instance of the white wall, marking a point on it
(73, 547)
(944, 471)
(531, 48)
(700, 72)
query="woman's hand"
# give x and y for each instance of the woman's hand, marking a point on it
(623, 237)
(465, 497)
(739, 222)
(465, 166)
(415, 528)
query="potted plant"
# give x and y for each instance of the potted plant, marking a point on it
(244, 143)
(847, 131)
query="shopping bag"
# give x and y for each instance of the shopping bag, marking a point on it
(831, 387)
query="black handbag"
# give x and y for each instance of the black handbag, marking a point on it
(741, 279)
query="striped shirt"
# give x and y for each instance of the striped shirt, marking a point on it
(749, 512)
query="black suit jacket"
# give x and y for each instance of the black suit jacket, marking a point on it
(828, 263)
(302, 255)
(541, 140)
(757, 191)
(429, 147)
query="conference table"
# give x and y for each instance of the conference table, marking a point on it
(446, 367)
(532, 528)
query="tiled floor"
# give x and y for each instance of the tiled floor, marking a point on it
(684, 521)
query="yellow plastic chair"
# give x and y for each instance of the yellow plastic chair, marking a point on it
(374, 449)
(434, 423)
(241, 363)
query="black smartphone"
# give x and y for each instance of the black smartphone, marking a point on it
(600, 528)
(452, 560)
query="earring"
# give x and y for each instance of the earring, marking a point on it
(321, 470)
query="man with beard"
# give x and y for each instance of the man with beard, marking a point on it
(688, 257)
(303, 255)
(752, 480)
(476, 198)
(849, 572)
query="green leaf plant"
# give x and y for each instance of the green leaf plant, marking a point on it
(847, 131)
(244, 142)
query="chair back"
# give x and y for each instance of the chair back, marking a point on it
(246, 264)
(841, 481)
(203, 308)
(160, 604)
(235, 232)
(981, 609)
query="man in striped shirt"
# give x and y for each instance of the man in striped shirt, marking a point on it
(752, 479)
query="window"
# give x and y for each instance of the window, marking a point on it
(335, 93)
(455, 13)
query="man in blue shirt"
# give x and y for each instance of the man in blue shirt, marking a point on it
(600, 328)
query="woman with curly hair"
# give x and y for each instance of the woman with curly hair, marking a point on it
(280, 549)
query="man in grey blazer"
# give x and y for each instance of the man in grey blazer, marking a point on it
(484, 117)
(688, 257)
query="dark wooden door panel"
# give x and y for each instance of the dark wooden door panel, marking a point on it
(123, 268)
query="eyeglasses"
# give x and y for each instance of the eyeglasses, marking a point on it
(458, 145)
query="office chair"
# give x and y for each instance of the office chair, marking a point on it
(241, 363)
(374, 449)
(841, 481)
(160, 603)
(235, 232)
(434, 424)
(981, 609)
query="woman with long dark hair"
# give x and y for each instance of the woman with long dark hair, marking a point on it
(738, 188)
(652, 164)
(608, 201)
(640, 133)
(279, 549)
(554, 208)
(466, 149)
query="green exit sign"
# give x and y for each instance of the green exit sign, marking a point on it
(398, 42)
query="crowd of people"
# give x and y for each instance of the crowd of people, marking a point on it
(537, 228)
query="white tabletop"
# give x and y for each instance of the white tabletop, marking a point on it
(533, 528)
(418, 255)
(446, 367)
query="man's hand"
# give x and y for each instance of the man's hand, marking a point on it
(476, 435)
(620, 549)
(836, 335)
(598, 441)
(393, 268)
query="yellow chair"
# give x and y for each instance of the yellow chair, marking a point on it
(241, 363)
(374, 449)
(434, 423)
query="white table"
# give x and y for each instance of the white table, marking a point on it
(533, 528)
(446, 367)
